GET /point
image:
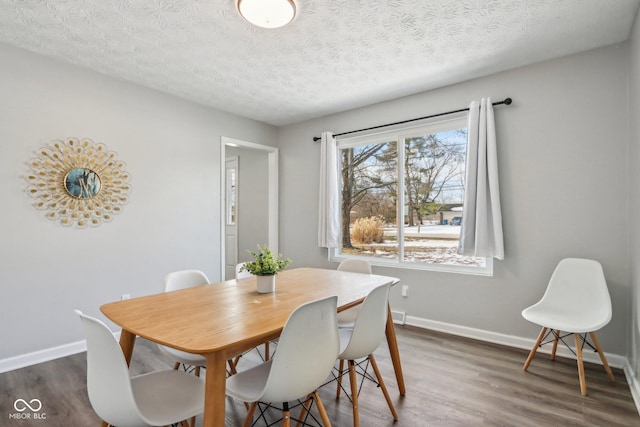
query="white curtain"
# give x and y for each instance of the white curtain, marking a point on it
(329, 215)
(481, 233)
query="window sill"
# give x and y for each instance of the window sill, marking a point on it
(487, 270)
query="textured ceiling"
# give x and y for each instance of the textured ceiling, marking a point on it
(335, 55)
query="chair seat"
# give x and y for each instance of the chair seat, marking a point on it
(247, 385)
(347, 318)
(568, 319)
(160, 395)
(184, 357)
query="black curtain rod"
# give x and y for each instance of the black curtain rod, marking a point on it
(507, 101)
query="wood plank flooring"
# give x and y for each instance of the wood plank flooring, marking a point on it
(451, 381)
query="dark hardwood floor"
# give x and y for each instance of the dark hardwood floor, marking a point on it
(451, 381)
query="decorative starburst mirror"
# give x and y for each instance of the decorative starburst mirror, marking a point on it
(78, 182)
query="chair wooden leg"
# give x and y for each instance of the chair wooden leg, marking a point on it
(583, 382)
(353, 380)
(197, 371)
(340, 370)
(286, 415)
(392, 408)
(534, 349)
(232, 366)
(249, 417)
(176, 366)
(266, 351)
(322, 410)
(604, 360)
(305, 409)
(555, 344)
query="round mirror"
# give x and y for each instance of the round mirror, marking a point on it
(82, 183)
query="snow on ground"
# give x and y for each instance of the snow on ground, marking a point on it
(438, 244)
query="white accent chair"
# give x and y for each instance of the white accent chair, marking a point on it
(360, 342)
(241, 274)
(307, 351)
(154, 399)
(347, 318)
(173, 282)
(577, 302)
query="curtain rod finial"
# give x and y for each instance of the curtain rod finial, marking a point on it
(508, 101)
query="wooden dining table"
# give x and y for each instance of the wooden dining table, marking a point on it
(225, 319)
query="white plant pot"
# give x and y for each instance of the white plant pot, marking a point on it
(266, 284)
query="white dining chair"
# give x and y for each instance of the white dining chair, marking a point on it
(154, 399)
(307, 351)
(360, 342)
(347, 318)
(175, 281)
(240, 273)
(576, 302)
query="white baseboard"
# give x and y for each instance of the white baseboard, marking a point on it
(634, 385)
(45, 355)
(614, 360)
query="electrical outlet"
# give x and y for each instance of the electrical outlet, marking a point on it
(125, 296)
(405, 290)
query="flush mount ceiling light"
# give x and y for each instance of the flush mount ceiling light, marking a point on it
(267, 13)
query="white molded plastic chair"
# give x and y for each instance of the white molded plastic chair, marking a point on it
(577, 302)
(154, 399)
(307, 351)
(361, 341)
(173, 282)
(241, 274)
(347, 318)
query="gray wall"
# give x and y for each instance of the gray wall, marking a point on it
(563, 178)
(634, 198)
(172, 150)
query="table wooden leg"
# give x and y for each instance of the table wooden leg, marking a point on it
(215, 390)
(127, 342)
(392, 341)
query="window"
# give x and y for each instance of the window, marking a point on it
(401, 198)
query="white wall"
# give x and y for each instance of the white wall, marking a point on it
(563, 176)
(253, 199)
(171, 148)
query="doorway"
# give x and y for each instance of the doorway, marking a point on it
(249, 216)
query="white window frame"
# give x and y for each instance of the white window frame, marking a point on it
(399, 134)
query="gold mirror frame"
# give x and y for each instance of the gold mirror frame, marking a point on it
(78, 182)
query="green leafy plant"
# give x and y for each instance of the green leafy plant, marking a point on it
(265, 263)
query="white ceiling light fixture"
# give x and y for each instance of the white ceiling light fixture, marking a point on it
(267, 13)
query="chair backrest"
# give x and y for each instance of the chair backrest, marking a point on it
(108, 381)
(580, 283)
(184, 279)
(355, 265)
(369, 328)
(307, 351)
(241, 274)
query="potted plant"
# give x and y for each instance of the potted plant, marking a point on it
(265, 266)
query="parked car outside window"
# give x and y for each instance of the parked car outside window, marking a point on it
(456, 220)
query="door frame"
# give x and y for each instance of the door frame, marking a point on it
(272, 182)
